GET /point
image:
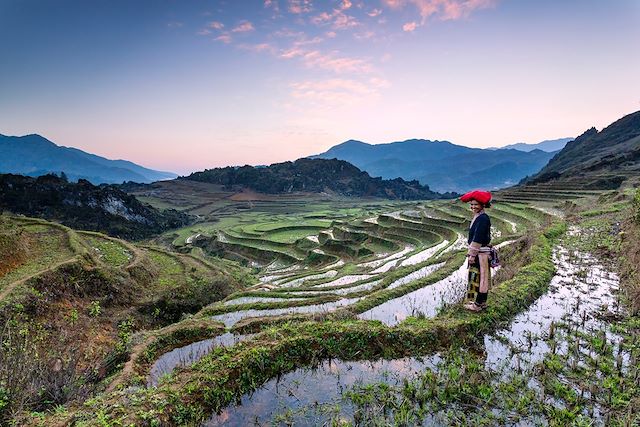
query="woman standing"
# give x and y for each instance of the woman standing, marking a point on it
(479, 251)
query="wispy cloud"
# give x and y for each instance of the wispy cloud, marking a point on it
(332, 61)
(300, 6)
(374, 13)
(216, 25)
(260, 47)
(346, 4)
(243, 27)
(344, 21)
(175, 24)
(409, 26)
(443, 9)
(337, 92)
(224, 38)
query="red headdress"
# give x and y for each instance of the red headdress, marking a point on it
(483, 197)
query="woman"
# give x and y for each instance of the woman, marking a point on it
(479, 250)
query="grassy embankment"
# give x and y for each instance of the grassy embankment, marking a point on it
(212, 383)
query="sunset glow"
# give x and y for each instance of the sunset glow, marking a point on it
(184, 86)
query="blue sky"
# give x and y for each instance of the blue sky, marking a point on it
(184, 85)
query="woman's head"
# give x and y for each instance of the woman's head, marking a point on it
(478, 199)
(477, 206)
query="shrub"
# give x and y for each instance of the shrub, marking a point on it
(636, 206)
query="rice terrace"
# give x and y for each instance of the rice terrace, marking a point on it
(351, 213)
(309, 311)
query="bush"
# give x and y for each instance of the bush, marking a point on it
(636, 206)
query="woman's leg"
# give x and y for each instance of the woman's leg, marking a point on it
(473, 280)
(484, 279)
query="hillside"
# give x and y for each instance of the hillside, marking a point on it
(431, 162)
(314, 176)
(607, 157)
(35, 155)
(71, 302)
(85, 206)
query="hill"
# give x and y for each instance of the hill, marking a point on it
(314, 176)
(85, 206)
(71, 302)
(35, 155)
(549, 145)
(431, 162)
(606, 157)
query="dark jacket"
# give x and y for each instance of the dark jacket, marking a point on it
(480, 231)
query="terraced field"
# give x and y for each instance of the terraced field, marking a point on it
(370, 295)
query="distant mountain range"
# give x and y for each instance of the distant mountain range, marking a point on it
(606, 157)
(443, 166)
(34, 155)
(549, 145)
(333, 176)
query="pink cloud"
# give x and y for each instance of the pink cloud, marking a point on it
(336, 64)
(364, 35)
(204, 32)
(327, 61)
(260, 47)
(300, 6)
(374, 13)
(409, 26)
(216, 25)
(321, 18)
(443, 9)
(343, 21)
(292, 53)
(346, 4)
(337, 92)
(243, 27)
(224, 38)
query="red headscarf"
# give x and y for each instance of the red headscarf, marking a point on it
(483, 197)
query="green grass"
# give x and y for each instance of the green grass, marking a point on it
(47, 247)
(109, 251)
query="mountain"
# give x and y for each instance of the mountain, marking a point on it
(440, 164)
(314, 176)
(549, 145)
(611, 155)
(82, 205)
(35, 155)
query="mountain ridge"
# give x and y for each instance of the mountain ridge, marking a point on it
(615, 150)
(35, 155)
(314, 176)
(430, 162)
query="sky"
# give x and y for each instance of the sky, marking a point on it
(185, 85)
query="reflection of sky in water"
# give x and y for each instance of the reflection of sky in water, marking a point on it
(248, 300)
(379, 262)
(424, 255)
(427, 300)
(189, 354)
(306, 390)
(297, 282)
(418, 274)
(345, 280)
(230, 319)
(580, 288)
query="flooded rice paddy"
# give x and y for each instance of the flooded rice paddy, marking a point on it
(582, 290)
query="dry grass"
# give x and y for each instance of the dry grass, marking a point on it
(630, 262)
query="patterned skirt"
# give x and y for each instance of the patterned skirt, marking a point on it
(474, 278)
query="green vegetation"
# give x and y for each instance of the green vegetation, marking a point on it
(303, 312)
